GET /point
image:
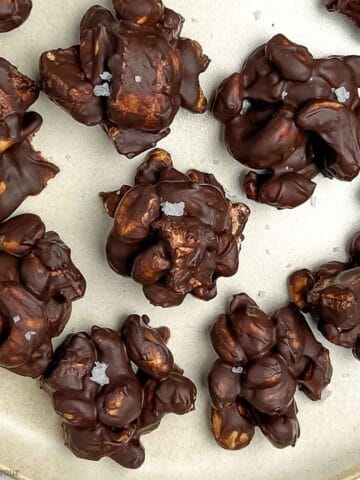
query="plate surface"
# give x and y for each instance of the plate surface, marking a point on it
(276, 243)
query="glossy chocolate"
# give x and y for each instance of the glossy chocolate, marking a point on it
(130, 74)
(13, 13)
(38, 283)
(350, 8)
(331, 294)
(261, 361)
(106, 404)
(292, 117)
(23, 171)
(174, 233)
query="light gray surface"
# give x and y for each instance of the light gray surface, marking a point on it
(276, 243)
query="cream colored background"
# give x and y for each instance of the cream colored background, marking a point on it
(276, 243)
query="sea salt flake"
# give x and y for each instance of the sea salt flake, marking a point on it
(138, 79)
(134, 366)
(245, 106)
(102, 90)
(325, 395)
(173, 209)
(29, 335)
(98, 374)
(257, 14)
(16, 319)
(342, 94)
(284, 94)
(234, 197)
(237, 370)
(106, 76)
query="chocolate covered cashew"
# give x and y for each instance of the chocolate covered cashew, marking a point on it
(13, 13)
(331, 294)
(23, 171)
(350, 8)
(106, 402)
(261, 361)
(291, 117)
(38, 283)
(130, 74)
(174, 233)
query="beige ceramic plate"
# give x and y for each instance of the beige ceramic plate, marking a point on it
(276, 243)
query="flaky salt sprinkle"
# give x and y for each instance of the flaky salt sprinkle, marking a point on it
(106, 76)
(173, 209)
(342, 94)
(98, 374)
(102, 90)
(245, 106)
(138, 79)
(284, 94)
(16, 319)
(28, 335)
(237, 370)
(257, 14)
(325, 395)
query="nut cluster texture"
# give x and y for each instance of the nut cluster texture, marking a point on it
(174, 233)
(291, 116)
(13, 13)
(23, 171)
(38, 283)
(130, 74)
(261, 361)
(331, 294)
(110, 387)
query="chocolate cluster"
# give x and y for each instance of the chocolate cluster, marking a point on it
(130, 74)
(174, 233)
(13, 13)
(110, 388)
(261, 361)
(23, 171)
(350, 8)
(291, 117)
(38, 283)
(331, 294)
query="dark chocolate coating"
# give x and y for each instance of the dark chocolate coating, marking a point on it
(331, 294)
(231, 427)
(150, 72)
(261, 361)
(23, 171)
(104, 405)
(282, 430)
(173, 255)
(292, 117)
(38, 283)
(13, 13)
(350, 8)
